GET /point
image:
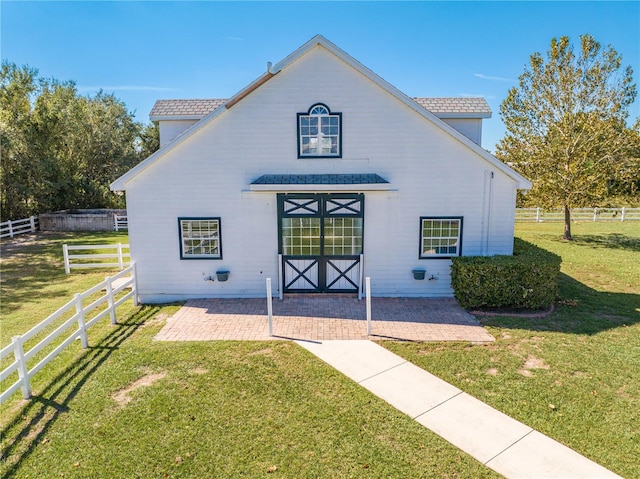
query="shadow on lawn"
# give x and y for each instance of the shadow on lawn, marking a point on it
(580, 310)
(41, 411)
(32, 262)
(609, 240)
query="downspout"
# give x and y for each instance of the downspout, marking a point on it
(487, 204)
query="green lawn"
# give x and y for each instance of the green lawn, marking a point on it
(34, 284)
(132, 407)
(574, 375)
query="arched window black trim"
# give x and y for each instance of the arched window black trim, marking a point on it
(319, 133)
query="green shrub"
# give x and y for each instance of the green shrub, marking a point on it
(526, 280)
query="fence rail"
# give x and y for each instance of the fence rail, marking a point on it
(578, 214)
(120, 222)
(111, 285)
(15, 227)
(122, 257)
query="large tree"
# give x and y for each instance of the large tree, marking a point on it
(61, 149)
(17, 184)
(566, 125)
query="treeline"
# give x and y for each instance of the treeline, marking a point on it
(61, 149)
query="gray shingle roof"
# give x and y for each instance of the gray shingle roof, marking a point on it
(194, 109)
(441, 107)
(331, 179)
(468, 105)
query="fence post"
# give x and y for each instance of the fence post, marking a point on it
(110, 301)
(23, 372)
(10, 229)
(538, 214)
(115, 222)
(33, 224)
(368, 293)
(270, 306)
(67, 266)
(622, 216)
(81, 326)
(120, 261)
(595, 215)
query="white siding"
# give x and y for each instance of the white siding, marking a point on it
(208, 175)
(469, 127)
(169, 129)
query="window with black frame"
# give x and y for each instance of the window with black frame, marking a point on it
(440, 237)
(319, 133)
(200, 238)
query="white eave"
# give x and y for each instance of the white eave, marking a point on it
(522, 182)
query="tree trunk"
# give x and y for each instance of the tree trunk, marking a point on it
(567, 224)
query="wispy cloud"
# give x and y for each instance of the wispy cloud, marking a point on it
(235, 39)
(124, 88)
(492, 78)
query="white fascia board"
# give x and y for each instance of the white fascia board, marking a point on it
(521, 181)
(121, 183)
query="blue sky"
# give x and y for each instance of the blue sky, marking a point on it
(143, 51)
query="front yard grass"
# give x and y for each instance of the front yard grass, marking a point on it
(132, 407)
(34, 284)
(574, 375)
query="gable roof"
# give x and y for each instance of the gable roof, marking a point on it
(319, 40)
(441, 107)
(184, 109)
(467, 107)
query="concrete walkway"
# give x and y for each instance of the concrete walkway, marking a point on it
(496, 440)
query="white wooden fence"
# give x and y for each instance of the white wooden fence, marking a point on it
(111, 285)
(119, 254)
(578, 214)
(120, 222)
(15, 227)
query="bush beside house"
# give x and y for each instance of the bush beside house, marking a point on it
(526, 280)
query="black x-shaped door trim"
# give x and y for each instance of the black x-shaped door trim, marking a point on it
(301, 274)
(319, 205)
(341, 273)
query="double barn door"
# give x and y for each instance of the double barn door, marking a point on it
(321, 241)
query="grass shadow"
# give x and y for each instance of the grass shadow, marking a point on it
(610, 241)
(31, 263)
(41, 411)
(580, 310)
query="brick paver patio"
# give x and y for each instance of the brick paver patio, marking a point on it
(323, 317)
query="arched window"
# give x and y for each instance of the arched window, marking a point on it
(319, 133)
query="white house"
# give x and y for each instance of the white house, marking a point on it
(316, 174)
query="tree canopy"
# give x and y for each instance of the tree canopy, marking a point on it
(61, 149)
(567, 127)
